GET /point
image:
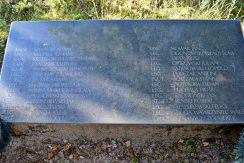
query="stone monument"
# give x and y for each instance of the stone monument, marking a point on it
(124, 72)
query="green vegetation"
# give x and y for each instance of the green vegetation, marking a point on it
(239, 151)
(188, 146)
(16, 10)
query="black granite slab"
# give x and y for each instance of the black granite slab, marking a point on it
(124, 71)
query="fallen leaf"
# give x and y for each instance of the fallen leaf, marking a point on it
(68, 146)
(77, 150)
(127, 143)
(76, 155)
(181, 141)
(104, 147)
(205, 144)
(179, 154)
(67, 151)
(55, 147)
(50, 155)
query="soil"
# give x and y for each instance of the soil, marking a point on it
(120, 143)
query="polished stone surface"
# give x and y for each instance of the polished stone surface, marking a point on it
(130, 71)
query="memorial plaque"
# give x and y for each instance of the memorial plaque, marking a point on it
(124, 71)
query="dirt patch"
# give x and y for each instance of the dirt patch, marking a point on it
(128, 143)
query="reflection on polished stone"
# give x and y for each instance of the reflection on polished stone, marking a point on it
(124, 71)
